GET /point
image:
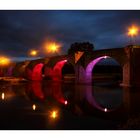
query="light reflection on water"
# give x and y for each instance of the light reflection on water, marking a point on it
(39, 105)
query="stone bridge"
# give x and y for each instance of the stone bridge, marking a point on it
(51, 67)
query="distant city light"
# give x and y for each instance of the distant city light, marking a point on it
(133, 31)
(4, 60)
(2, 96)
(34, 107)
(33, 52)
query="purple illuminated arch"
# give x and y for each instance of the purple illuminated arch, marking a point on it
(91, 65)
(57, 70)
(92, 101)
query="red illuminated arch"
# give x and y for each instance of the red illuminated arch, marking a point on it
(57, 70)
(36, 73)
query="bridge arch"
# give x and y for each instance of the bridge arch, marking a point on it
(92, 99)
(34, 70)
(57, 70)
(35, 74)
(54, 71)
(19, 70)
(92, 64)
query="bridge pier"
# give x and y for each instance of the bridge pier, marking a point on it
(79, 74)
(81, 77)
(131, 69)
(126, 75)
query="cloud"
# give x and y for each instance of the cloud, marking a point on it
(21, 31)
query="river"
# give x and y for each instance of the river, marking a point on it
(67, 106)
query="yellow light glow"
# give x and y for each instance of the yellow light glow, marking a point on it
(133, 31)
(2, 96)
(52, 47)
(33, 53)
(34, 107)
(54, 114)
(4, 60)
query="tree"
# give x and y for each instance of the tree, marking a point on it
(84, 47)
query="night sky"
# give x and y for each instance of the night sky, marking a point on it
(21, 31)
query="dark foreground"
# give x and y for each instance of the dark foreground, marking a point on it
(66, 106)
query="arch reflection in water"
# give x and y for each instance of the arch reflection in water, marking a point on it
(102, 99)
(100, 102)
(44, 91)
(36, 89)
(54, 90)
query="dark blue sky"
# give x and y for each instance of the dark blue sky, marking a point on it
(21, 31)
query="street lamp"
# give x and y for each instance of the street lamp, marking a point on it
(133, 32)
(52, 47)
(4, 60)
(33, 52)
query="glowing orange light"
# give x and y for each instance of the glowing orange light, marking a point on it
(133, 31)
(66, 102)
(52, 47)
(54, 114)
(33, 53)
(2, 96)
(34, 107)
(4, 60)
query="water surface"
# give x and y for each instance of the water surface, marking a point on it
(66, 106)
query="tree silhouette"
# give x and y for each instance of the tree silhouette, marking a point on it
(84, 47)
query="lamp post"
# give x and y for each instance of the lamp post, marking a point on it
(132, 32)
